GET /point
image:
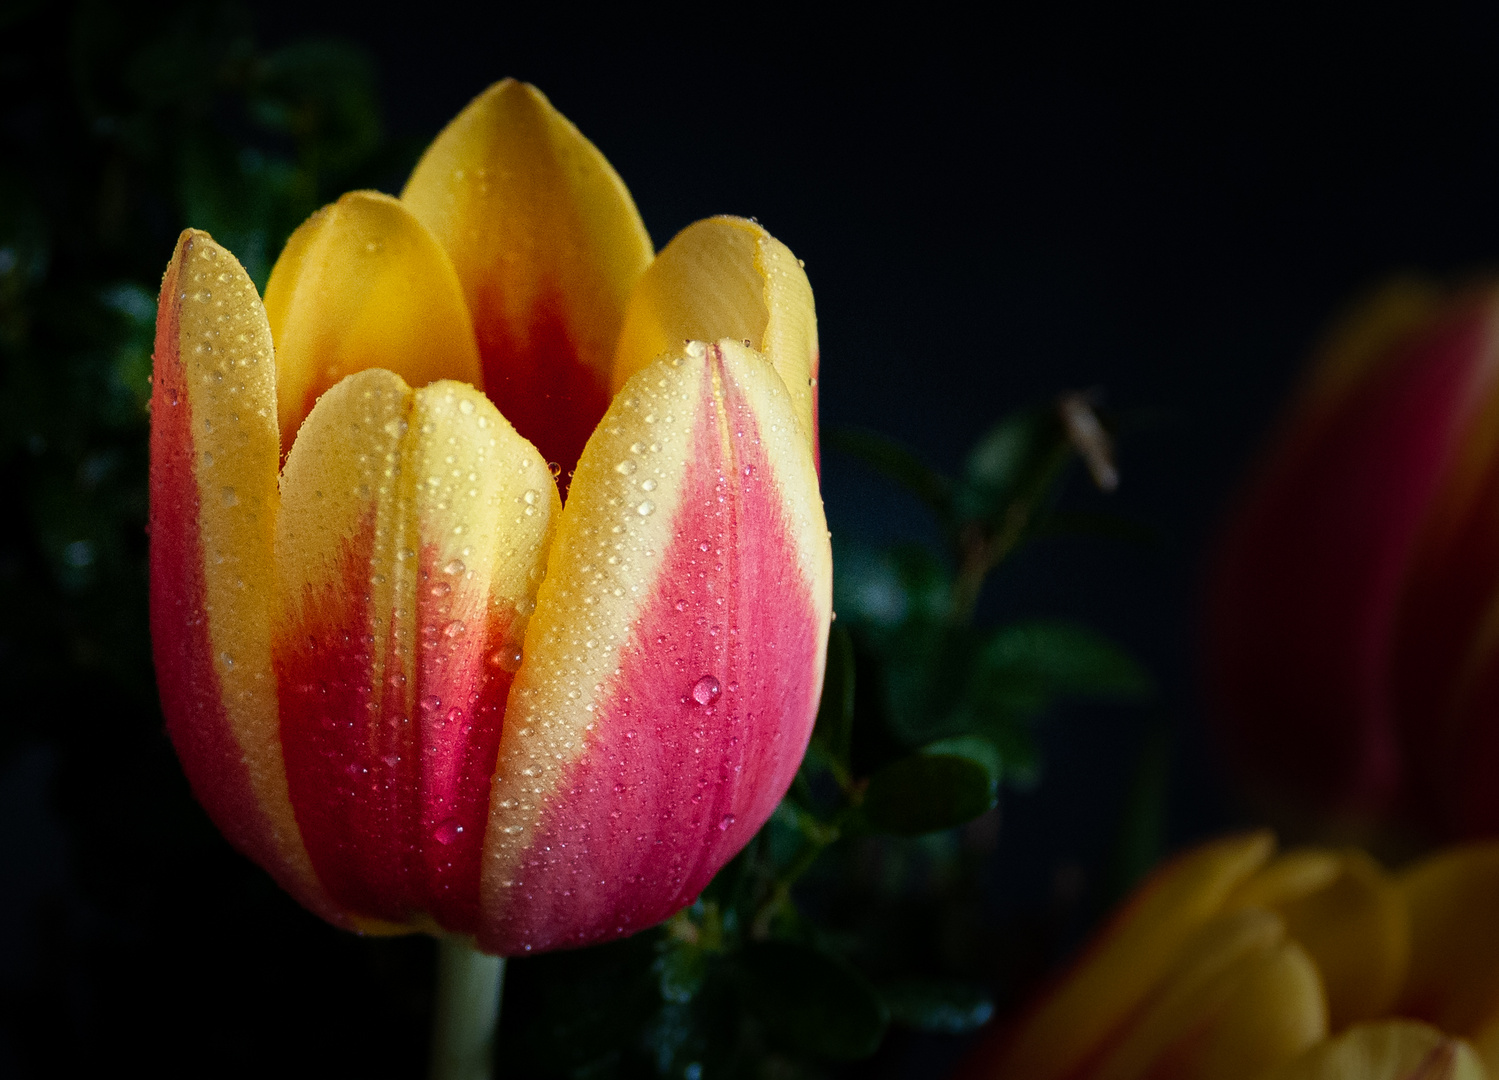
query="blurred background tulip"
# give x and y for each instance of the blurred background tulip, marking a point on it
(1351, 637)
(1233, 963)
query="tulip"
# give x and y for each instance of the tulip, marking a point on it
(1351, 632)
(1234, 963)
(400, 674)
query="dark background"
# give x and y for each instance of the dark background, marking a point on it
(1165, 207)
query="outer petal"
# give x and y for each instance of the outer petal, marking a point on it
(1454, 967)
(1350, 917)
(1388, 1050)
(213, 512)
(673, 666)
(1308, 587)
(411, 540)
(1120, 968)
(726, 278)
(362, 284)
(548, 245)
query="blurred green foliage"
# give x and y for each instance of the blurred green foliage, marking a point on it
(852, 921)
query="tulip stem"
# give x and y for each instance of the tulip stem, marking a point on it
(466, 1012)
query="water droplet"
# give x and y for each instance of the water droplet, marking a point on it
(703, 546)
(442, 588)
(453, 629)
(724, 822)
(449, 830)
(466, 407)
(625, 467)
(506, 658)
(648, 485)
(681, 605)
(645, 508)
(455, 714)
(228, 660)
(230, 497)
(530, 497)
(430, 704)
(706, 690)
(454, 568)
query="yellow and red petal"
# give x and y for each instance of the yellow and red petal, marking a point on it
(362, 284)
(673, 666)
(412, 536)
(214, 455)
(547, 244)
(726, 277)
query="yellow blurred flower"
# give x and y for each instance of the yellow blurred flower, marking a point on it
(1234, 963)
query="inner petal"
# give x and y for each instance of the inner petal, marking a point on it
(548, 245)
(361, 284)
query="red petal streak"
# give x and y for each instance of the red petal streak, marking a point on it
(538, 382)
(391, 782)
(700, 732)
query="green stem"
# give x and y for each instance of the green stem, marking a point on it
(466, 1012)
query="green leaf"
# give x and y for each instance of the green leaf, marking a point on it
(975, 748)
(835, 714)
(1023, 664)
(811, 1001)
(926, 793)
(893, 461)
(938, 1006)
(1012, 467)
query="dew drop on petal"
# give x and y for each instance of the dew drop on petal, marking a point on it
(724, 822)
(454, 568)
(645, 508)
(448, 831)
(625, 467)
(706, 690)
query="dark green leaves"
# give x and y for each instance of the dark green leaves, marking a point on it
(811, 1001)
(942, 1007)
(927, 792)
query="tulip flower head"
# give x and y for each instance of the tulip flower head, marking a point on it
(1233, 963)
(1351, 632)
(400, 673)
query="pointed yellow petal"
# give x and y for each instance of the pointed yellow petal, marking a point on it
(1241, 999)
(409, 548)
(213, 514)
(673, 666)
(1348, 914)
(363, 285)
(726, 278)
(1453, 980)
(548, 245)
(1276, 1012)
(1122, 965)
(1193, 993)
(1386, 1050)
